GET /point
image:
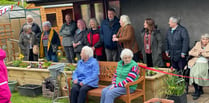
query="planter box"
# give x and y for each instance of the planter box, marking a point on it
(155, 85)
(158, 100)
(30, 90)
(179, 99)
(12, 85)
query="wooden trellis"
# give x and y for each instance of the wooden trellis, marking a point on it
(6, 34)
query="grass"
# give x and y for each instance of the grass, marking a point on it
(17, 98)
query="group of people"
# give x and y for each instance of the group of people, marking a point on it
(108, 41)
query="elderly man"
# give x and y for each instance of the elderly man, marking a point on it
(34, 27)
(49, 42)
(26, 42)
(177, 44)
(67, 32)
(109, 27)
(85, 77)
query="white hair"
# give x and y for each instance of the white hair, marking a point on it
(126, 52)
(47, 23)
(206, 35)
(26, 27)
(174, 19)
(125, 19)
(88, 51)
(30, 16)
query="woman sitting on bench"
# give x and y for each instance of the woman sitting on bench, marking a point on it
(127, 71)
(85, 77)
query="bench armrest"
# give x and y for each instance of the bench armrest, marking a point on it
(139, 80)
(135, 82)
(69, 79)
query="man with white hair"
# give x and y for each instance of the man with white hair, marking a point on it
(35, 28)
(85, 77)
(177, 44)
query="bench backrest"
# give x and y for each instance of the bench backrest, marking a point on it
(107, 70)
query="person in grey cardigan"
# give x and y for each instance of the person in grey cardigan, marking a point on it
(27, 40)
(67, 32)
(79, 38)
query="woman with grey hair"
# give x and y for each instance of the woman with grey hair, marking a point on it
(34, 26)
(85, 77)
(27, 41)
(126, 37)
(49, 43)
(199, 65)
(127, 71)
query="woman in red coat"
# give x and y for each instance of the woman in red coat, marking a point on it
(5, 94)
(94, 39)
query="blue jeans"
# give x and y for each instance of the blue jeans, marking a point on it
(50, 56)
(108, 95)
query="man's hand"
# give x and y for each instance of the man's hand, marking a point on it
(167, 54)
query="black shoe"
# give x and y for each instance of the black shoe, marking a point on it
(201, 92)
(196, 97)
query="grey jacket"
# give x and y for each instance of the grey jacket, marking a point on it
(80, 37)
(67, 32)
(24, 43)
(156, 47)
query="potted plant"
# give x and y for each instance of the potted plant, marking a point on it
(175, 89)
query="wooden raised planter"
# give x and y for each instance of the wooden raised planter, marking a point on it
(155, 85)
(31, 76)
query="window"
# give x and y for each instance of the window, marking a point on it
(85, 12)
(52, 19)
(99, 13)
(116, 6)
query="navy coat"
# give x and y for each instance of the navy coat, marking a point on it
(177, 42)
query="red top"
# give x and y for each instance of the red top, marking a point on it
(94, 38)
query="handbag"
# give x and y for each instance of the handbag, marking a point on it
(35, 49)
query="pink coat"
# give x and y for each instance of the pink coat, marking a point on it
(5, 94)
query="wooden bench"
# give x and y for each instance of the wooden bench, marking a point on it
(107, 69)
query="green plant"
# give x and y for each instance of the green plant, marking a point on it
(70, 67)
(46, 64)
(16, 63)
(175, 85)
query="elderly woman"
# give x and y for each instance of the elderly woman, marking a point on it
(26, 42)
(151, 44)
(34, 26)
(79, 38)
(49, 42)
(199, 65)
(127, 71)
(126, 37)
(94, 39)
(85, 77)
(5, 94)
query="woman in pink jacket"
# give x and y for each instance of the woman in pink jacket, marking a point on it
(4, 88)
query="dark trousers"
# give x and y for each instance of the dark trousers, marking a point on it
(179, 65)
(50, 56)
(79, 93)
(136, 57)
(69, 52)
(32, 57)
(149, 60)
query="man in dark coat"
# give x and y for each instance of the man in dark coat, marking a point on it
(109, 27)
(177, 44)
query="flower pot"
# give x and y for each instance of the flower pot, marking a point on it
(12, 85)
(178, 99)
(158, 100)
(30, 90)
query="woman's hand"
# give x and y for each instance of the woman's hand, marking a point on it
(111, 87)
(74, 45)
(115, 39)
(81, 84)
(75, 81)
(93, 48)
